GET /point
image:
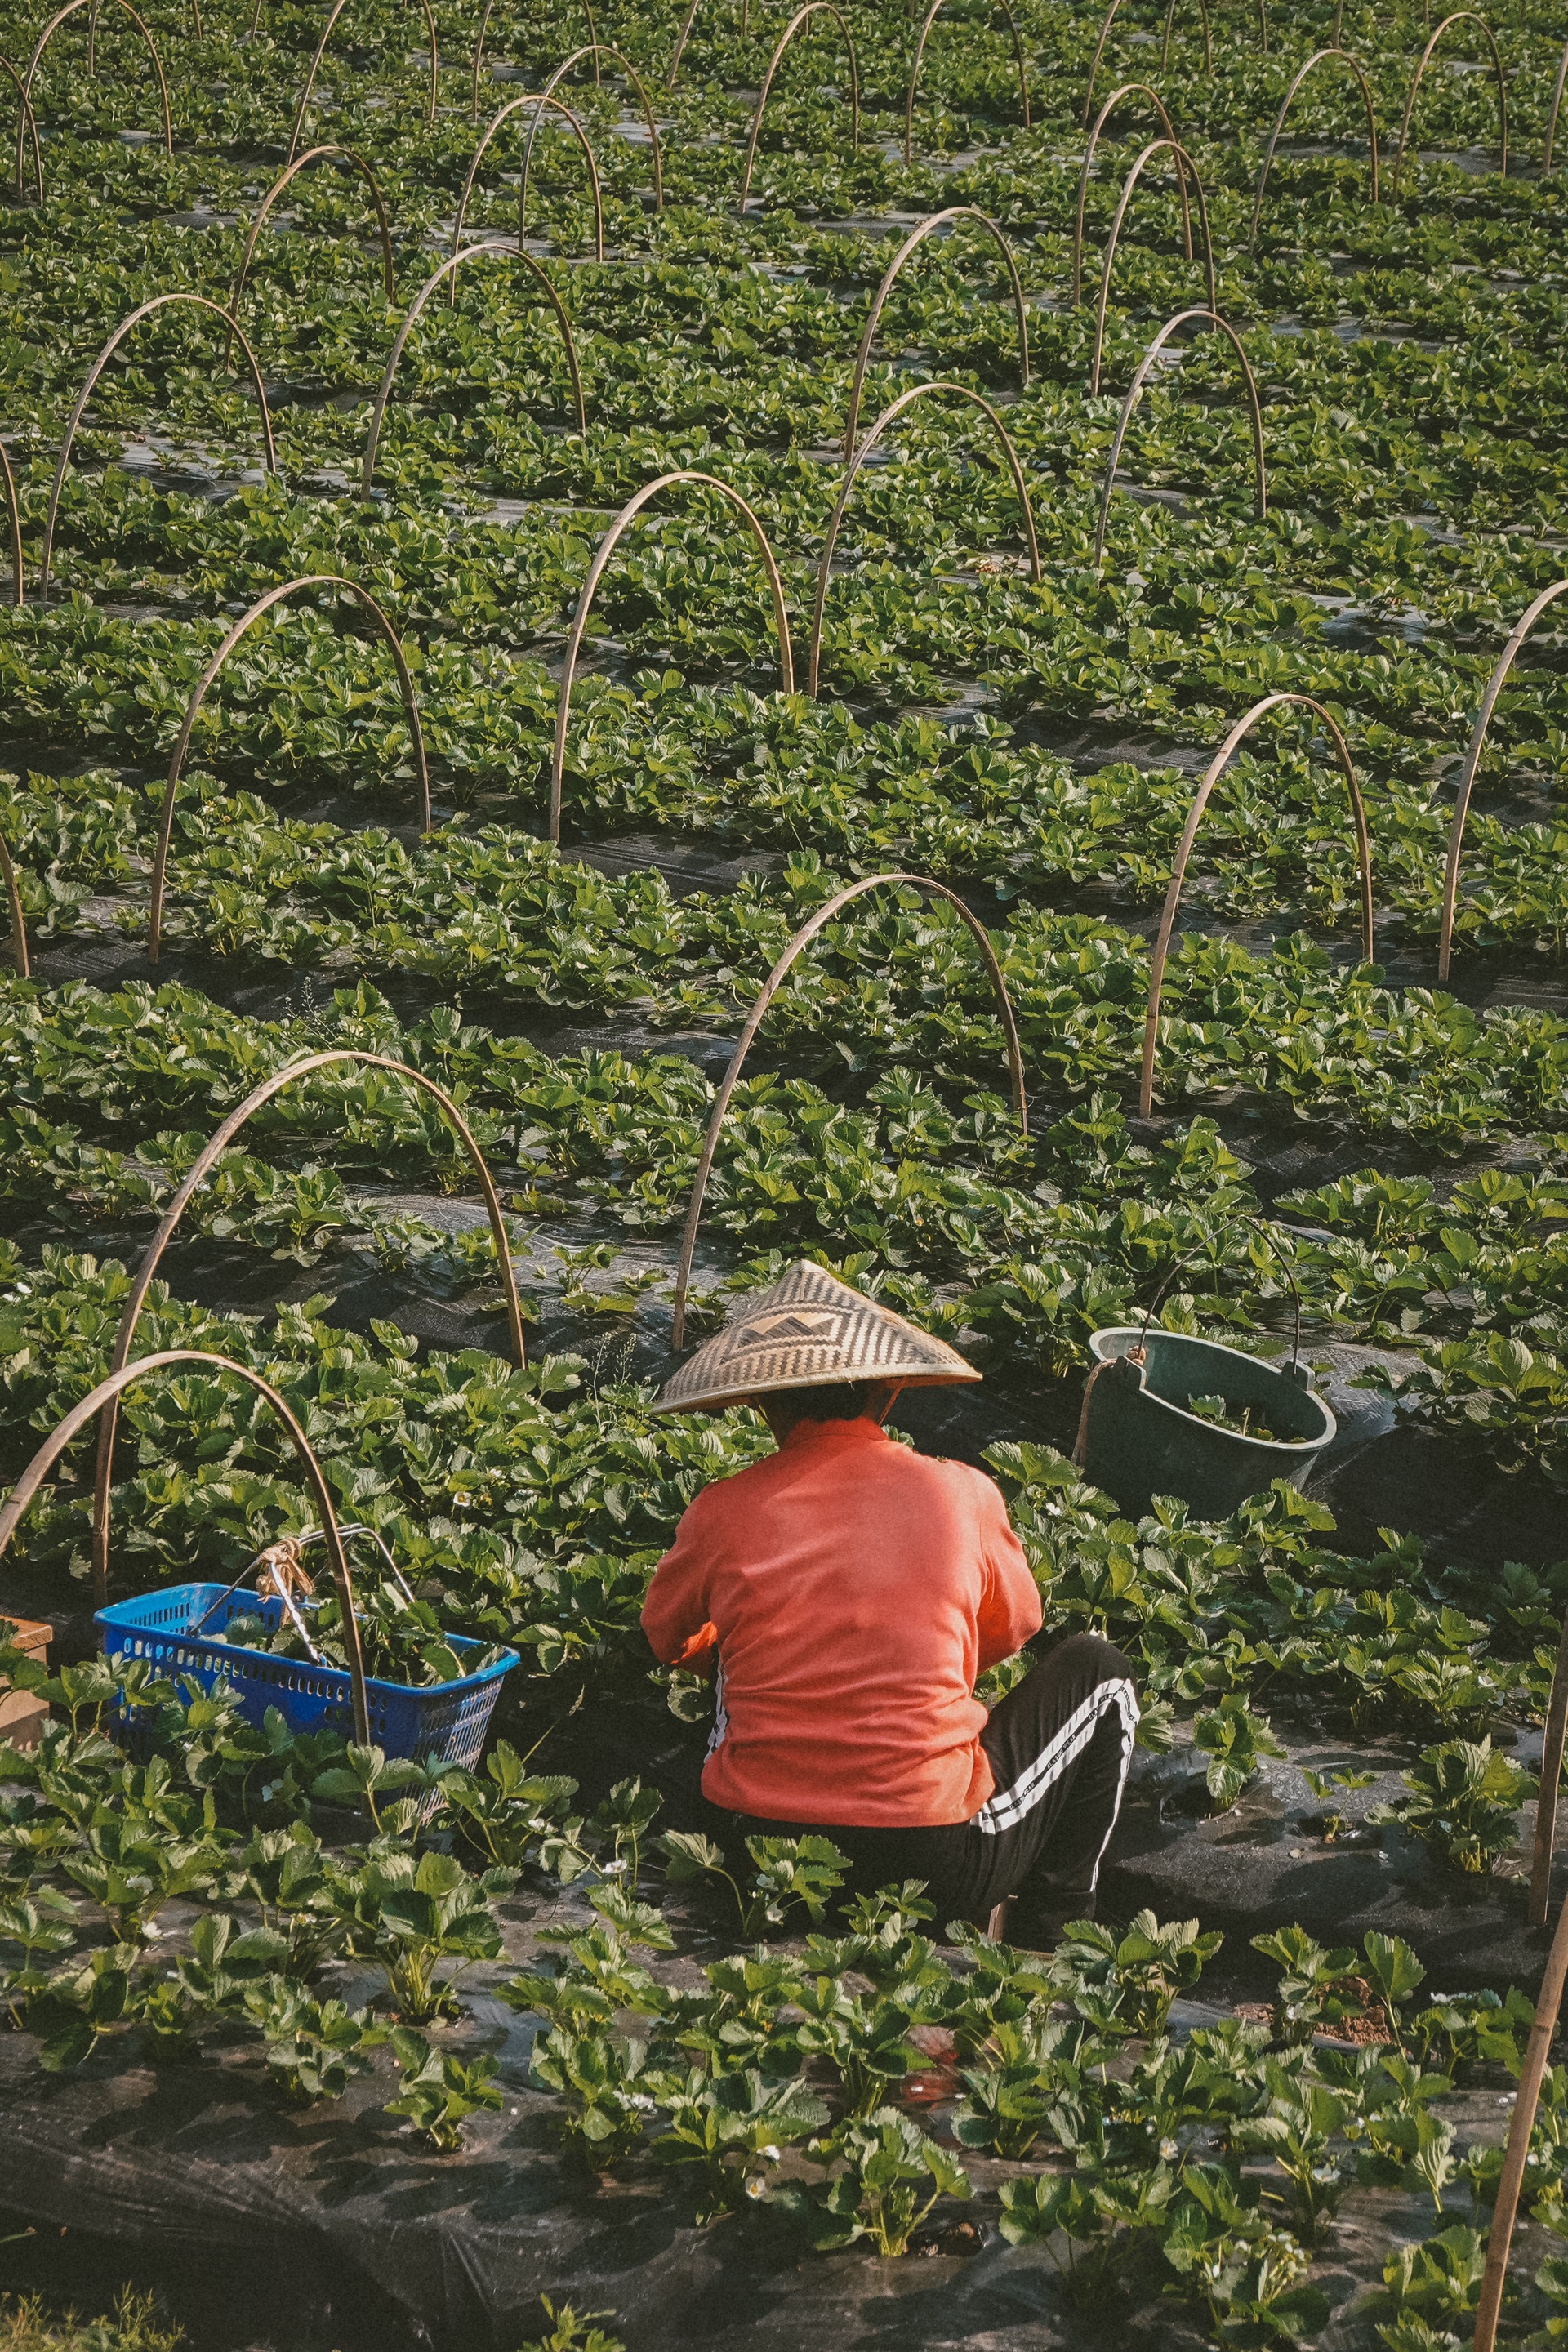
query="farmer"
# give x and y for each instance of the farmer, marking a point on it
(847, 1591)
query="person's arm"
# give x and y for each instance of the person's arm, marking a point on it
(1010, 1610)
(675, 1615)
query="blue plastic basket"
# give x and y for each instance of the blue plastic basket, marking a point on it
(446, 1721)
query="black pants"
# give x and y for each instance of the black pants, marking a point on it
(1059, 1745)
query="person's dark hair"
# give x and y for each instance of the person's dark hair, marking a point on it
(841, 1401)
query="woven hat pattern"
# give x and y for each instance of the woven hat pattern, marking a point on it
(809, 1330)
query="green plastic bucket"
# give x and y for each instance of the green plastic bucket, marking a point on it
(1137, 1439)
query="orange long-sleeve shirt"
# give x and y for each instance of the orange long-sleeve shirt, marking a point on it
(855, 1590)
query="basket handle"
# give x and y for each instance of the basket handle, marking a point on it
(107, 1390)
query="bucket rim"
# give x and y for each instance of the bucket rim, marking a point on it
(1291, 1447)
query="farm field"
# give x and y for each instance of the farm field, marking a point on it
(485, 577)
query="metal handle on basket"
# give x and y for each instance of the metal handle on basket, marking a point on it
(311, 1535)
(291, 1611)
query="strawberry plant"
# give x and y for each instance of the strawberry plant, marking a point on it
(1464, 1803)
(439, 2090)
(725, 2134)
(887, 2178)
(1125, 1984)
(425, 1921)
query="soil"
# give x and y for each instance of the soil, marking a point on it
(184, 2171)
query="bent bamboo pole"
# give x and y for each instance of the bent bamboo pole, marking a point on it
(18, 919)
(1260, 504)
(492, 245)
(1183, 163)
(13, 520)
(1317, 58)
(245, 620)
(852, 472)
(1551, 1780)
(930, 17)
(1211, 776)
(316, 67)
(107, 1395)
(514, 106)
(802, 18)
(1527, 2099)
(602, 555)
(46, 35)
(597, 49)
(1109, 19)
(593, 43)
(1126, 89)
(1550, 119)
(311, 155)
(210, 1152)
(143, 311)
(27, 121)
(767, 994)
(1460, 16)
(1495, 685)
(915, 238)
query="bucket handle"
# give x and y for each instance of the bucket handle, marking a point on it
(1252, 1218)
(1138, 1355)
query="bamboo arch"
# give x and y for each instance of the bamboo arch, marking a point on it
(56, 21)
(1495, 685)
(803, 16)
(685, 34)
(1550, 119)
(1552, 1745)
(593, 43)
(1317, 58)
(1127, 90)
(25, 122)
(339, 6)
(1212, 775)
(1109, 19)
(597, 49)
(106, 1395)
(602, 554)
(1460, 16)
(7, 870)
(192, 709)
(1522, 2123)
(1135, 387)
(212, 1151)
(512, 106)
(907, 400)
(770, 989)
(13, 518)
(143, 311)
(498, 246)
(915, 238)
(1183, 163)
(931, 15)
(311, 155)
(18, 919)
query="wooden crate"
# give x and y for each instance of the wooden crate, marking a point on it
(22, 1715)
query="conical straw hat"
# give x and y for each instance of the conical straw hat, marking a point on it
(808, 1330)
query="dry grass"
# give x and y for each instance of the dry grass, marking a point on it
(26, 2327)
